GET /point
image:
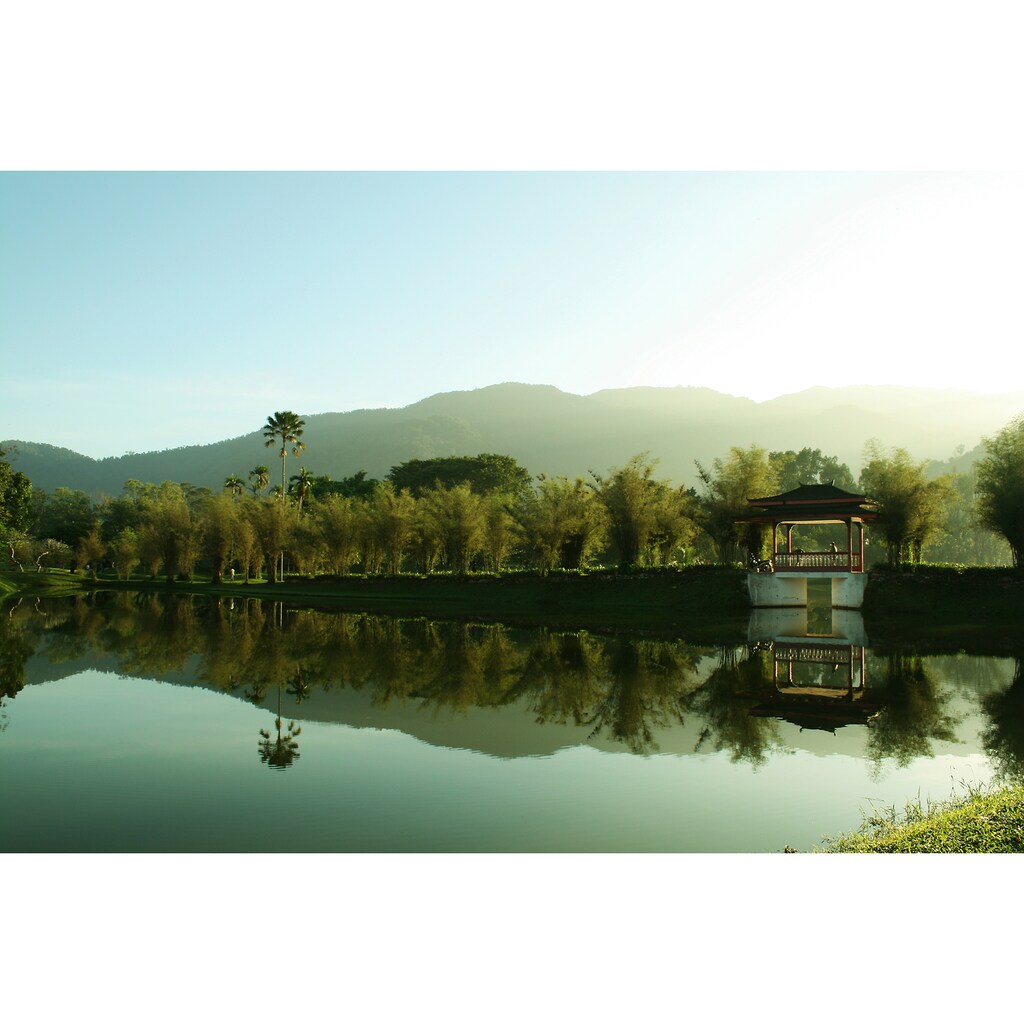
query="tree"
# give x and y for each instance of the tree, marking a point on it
(745, 473)
(629, 496)
(170, 534)
(456, 514)
(302, 485)
(1000, 487)
(66, 515)
(124, 551)
(234, 485)
(911, 507)
(484, 473)
(498, 530)
(53, 552)
(273, 521)
(355, 486)
(963, 538)
(809, 466)
(675, 523)
(19, 546)
(219, 520)
(389, 526)
(15, 498)
(259, 477)
(307, 545)
(286, 428)
(562, 523)
(247, 546)
(91, 549)
(338, 519)
(123, 513)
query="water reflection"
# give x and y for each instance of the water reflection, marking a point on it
(724, 701)
(916, 712)
(281, 750)
(1003, 739)
(820, 680)
(817, 658)
(810, 671)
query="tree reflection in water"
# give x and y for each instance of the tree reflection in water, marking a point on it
(561, 677)
(643, 690)
(281, 750)
(622, 690)
(1003, 739)
(256, 693)
(724, 701)
(916, 712)
(16, 646)
(299, 688)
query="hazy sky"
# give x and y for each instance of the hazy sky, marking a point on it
(150, 310)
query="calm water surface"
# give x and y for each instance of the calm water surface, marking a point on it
(148, 723)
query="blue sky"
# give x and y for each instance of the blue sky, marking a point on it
(148, 310)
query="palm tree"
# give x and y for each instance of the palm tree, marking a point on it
(285, 427)
(259, 477)
(235, 484)
(302, 485)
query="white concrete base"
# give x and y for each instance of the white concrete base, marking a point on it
(848, 589)
(773, 590)
(789, 590)
(791, 623)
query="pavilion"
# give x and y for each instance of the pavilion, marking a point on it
(781, 580)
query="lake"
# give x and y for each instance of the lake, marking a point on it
(143, 722)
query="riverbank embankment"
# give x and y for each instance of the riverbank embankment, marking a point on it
(704, 603)
(945, 608)
(930, 608)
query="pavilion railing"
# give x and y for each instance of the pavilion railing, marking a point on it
(817, 561)
(817, 654)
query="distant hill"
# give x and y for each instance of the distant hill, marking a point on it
(550, 431)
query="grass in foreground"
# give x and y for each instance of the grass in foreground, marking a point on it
(31, 584)
(980, 822)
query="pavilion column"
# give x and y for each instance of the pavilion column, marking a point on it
(862, 532)
(775, 537)
(849, 543)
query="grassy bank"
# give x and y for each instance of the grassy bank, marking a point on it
(931, 608)
(702, 603)
(53, 583)
(980, 822)
(946, 607)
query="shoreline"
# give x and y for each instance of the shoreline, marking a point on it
(931, 608)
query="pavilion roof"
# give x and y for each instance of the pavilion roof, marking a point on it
(808, 494)
(810, 503)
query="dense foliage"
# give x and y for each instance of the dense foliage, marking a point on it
(463, 514)
(15, 498)
(910, 505)
(484, 473)
(1000, 487)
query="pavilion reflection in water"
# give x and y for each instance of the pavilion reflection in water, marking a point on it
(818, 667)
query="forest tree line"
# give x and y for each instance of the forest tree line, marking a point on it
(486, 513)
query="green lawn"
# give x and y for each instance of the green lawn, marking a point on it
(980, 822)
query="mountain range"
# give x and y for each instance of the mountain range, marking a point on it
(556, 433)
